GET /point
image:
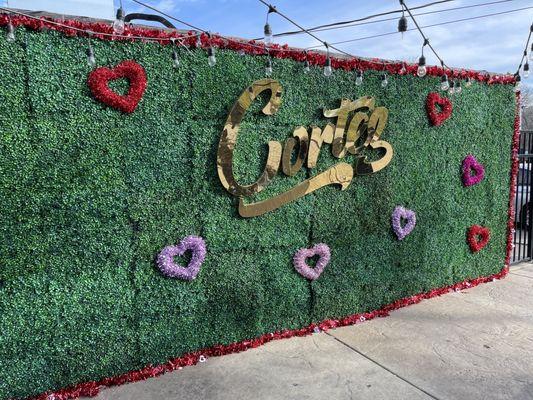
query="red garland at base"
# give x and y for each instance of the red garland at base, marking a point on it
(90, 389)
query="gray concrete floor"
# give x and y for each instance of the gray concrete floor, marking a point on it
(474, 344)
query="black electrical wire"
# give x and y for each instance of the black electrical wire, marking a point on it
(395, 18)
(169, 16)
(429, 26)
(524, 54)
(336, 25)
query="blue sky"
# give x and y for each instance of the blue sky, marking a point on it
(494, 44)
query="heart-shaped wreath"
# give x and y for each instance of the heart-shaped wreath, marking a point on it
(322, 251)
(436, 118)
(167, 265)
(477, 237)
(470, 164)
(98, 81)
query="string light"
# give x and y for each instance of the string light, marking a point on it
(526, 70)
(328, 71)
(268, 66)
(10, 32)
(444, 84)
(175, 58)
(468, 82)
(384, 80)
(451, 90)
(403, 70)
(402, 22)
(517, 84)
(118, 25)
(531, 53)
(359, 77)
(199, 40)
(91, 59)
(422, 70)
(268, 29)
(306, 64)
(458, 88)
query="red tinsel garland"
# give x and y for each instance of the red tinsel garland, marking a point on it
(477, 237)
(98, 81)
(249, 47)
(437, 118)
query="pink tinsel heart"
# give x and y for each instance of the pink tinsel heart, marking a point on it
(471, 164)
(299, 260)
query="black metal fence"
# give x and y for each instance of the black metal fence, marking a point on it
(522, 201)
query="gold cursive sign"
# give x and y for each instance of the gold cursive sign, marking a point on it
(354, 124)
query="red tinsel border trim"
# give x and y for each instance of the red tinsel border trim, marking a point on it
(514, 174)
(250, 47)
(90, 389)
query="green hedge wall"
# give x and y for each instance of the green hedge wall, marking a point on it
(91, 195)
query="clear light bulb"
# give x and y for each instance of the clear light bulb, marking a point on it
(211, 59)
(531, 53)
(199, 40)
(526, 70)
(468, 82)
(118, 25)
(421, 71)
(268, 34)
(91, 60)
(359, 78)
(175, 59)
(451, 90)
(444, 84)
(268, 67)
(458, 88)
(306, 67)
(384, 81)
(403, 70)
(517, 86)
(328, 71)
(10, 32)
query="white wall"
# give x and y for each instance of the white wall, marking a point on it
(86, 8)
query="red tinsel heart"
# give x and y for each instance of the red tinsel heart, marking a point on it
(478, 237)
(437, 118)
(99, 78)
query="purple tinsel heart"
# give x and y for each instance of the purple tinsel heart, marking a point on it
(321, 250)
(165, 260)
(409, 215)
(471, 164)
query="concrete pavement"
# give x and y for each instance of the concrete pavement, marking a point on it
(474, 344)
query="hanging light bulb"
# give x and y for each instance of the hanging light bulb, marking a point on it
(384, 80)
(328, 71)
(268, 67)
(444, 84)
(359, 78)
(451, 90)
(403, 70)
(526, 70)
(199, 39)
(118, 25)
(175, 58)
(211, 58)
(268, 34)
(468, 82)
(517, 84)
(91, 60)
(307, 68)
(327, 66)
(422, 70)
(531, 53)
(10, 32)
(458, 88)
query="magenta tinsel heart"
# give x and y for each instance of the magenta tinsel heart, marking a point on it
(470, 164)
(299, 260)
(167, 265)
(397, 216)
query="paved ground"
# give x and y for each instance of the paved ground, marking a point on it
(475, 344)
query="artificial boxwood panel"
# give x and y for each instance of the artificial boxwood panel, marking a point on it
(91, 195)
